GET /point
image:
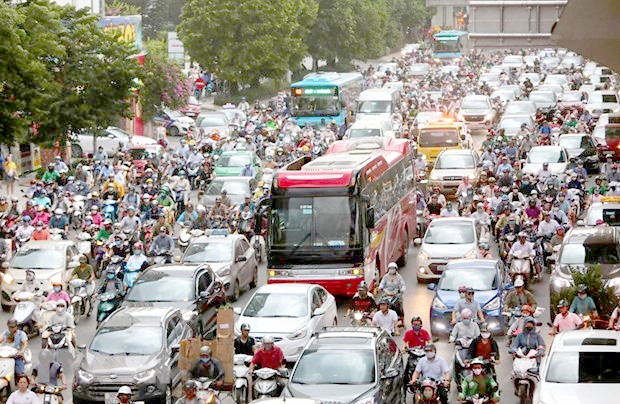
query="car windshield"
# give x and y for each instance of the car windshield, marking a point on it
(438, 138)
(231, 187)
(127, 341)
(534, 78)
(542, 97)
(232, 113)
(424, 117)
(208, 252)
(513, 59)
(343, 367)
(512, 124)
(210, 121)
(589, 253)
(355, 133)
(446, 162)
(489, 78)
(418, 68)
(39, 258)
(293, 305)
(572, 96)
(325, 221)
(234, 160)
(584, 367)
(539, 156)
(477, 278)
(156, 286)
(174, 114)
(556, 80)
(449, 233)
(472, 104)
(374, 107)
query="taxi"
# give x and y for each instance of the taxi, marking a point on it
(608, 211)
(441, 135)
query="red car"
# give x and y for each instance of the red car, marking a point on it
(141, 155)
(192, 109)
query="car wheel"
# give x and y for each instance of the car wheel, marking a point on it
(254, 280)
(236, 292)
(173, 131)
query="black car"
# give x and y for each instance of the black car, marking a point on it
(349, 365)
(581, 146)
(135, 347)
(193, 289)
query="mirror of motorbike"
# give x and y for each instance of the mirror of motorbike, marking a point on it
(237, 310)
(319, 311)
(432, 286)
(175, 348)
(177, 258)
(241, 258)
(417, 242)
(390, 373)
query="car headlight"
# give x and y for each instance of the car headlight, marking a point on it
(369, 400)
(561, 282)
(8, 279)
(438, 304)
(423, 256)
(434, 177)
(299, 334)
(493, 304)
(189, 315)
(85, 376)
(142, 376)
(224, 271)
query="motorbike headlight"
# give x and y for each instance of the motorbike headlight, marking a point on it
(438, 304)
(224, 271)
(358, 316)
(85, 376)
(423, 256)
(142, 376)
(299, 334)
(493, 304)
(189, 315)
(8, 279)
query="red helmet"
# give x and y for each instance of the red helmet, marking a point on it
(138, 246)
(462, 289)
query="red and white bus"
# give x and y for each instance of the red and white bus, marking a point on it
(342, 218)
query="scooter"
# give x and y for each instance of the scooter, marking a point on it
(59, 338)
(415, 354)
(240, 369)
(206, 392)
(186, 235)
(360, 319)
(130, 273)
(520, 265)
(57, 234)
(461, 360)
(84, 244)
(266, 383)
(108, 303)
(80, 298)
(425, 392)
(77, 217)
(7, 368)
(26, 311)
(48, 394)
(525, 375)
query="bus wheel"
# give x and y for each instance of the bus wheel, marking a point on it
(402, 261)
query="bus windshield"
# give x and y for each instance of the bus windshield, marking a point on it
(320, 221)
(442, 45)
(315, 106)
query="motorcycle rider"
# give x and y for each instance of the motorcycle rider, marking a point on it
(208, 366)
(24, 230)
(59, 221)
(469, 303)
(393, 285)
(244, 344)
(519, 295)
(529, 339)
(582, 303)
(189, 394)
(131, 221)
(385, 317)
(522, 247)
(85, 272)
(416, 336)
(614, 322)
(479, 383)
(138, 259)
(483, 251)
(465, 328)
(124, 395)
(162, 245)
(31, 284)
(435, 368)
(362, 301)
(565, 320)
(448, 211)
(484, 345)
(19, 340)
(268, 356)
(61, 316)
(22, 395)
(58, 294)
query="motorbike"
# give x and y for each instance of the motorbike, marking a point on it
(84, 244)
(414, 356)
(57, 234)
(425, 392)
(360, 318)
(59, 337)
(241, 365)
(193, 171)
(553, 258)
(108, 303)
(77, 207)
(525, 375)
(81, 298)
(206, 392)
(26, 311)
(266, 383)
(461, 360)
(7, 368)
(49, 394)
(109, 209)
(186, 235)
(99, 252)
(130, 273)
(477, 399)
(520, 266)
(162, 258)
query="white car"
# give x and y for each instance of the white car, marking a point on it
(176, 123)
(504, 95)
(452, 70)
(534, 78)
(560, 79)
(370, 127)
(111, 140)
(600, 102)
(419, 69)
(556, 156)
(289, 312)
(520, 108)
(512, 123)
(513, 62)
(492, 80)
(385, 67)
(581, 367)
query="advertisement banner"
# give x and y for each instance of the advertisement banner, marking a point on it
(129, 27)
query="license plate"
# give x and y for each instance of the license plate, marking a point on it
(440, 267)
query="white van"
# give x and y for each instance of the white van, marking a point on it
(373, 127)
(377, 103)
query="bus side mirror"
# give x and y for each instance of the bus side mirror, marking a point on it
(370, 218)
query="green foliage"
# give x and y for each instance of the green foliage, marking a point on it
(262, 92)
(603, 296)
(243, 41)
(158, 15)
(118, 7)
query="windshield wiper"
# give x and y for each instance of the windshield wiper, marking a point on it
(282, 316)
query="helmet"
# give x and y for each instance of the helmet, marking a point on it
(27, 218)
(466, 314)
(529, 319)
(83, 258)
(484, 327)
(12, 322)
(392, 265)
(362, 286)
(94, 207)
(245, 326)
(416, 318)
(384, 300)
(462, 289)
(483, 246)
(476, 361)
(519, 282)
(205, 350)
(189, 385)
(56, 282)
(124, 390)
(181, 173)
(430, 347)
(582, 288)
(58, 211)
(268, 339)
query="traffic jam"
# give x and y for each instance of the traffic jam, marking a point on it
(379, 236)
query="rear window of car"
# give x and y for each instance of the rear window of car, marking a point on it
(584, 367)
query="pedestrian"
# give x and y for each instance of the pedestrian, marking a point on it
(10, 174)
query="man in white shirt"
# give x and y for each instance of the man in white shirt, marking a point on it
(522, 246)
(548, 226)
(385, 318)
(544, 173)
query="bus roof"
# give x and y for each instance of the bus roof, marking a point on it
(451, 32)
(343, 161)
(321, 79)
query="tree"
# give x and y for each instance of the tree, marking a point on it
(158, 15)
(118, 7)
(242, 40)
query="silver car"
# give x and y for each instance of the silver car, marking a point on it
(237, 188)
(210, 122)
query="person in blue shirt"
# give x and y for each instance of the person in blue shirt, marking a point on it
(545, 129)
(188, 215)
(248, 171)
(19, 340)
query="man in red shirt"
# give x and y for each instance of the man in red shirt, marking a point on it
(269, 356)
(199, 86)
(417, 336)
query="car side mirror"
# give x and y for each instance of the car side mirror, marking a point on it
(175, 349)
(390, 373)
(319, 311)
(417, 242)
(432, 286)
(241, 258)
(370, 218)
(237, 310)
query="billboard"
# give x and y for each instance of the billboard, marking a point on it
(129, 27)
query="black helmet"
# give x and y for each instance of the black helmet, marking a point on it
(416, 318)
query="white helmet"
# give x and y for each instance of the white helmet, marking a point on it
(124, 390)
(392, 265)
(58, 211)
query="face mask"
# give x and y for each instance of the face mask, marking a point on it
(477, 371)
(61, 309)
(39, 228)
(430, 355)
(204, 359)
(392, 271)
(582, 295)
(467, 321)
(57, 289)
(416, 327)
(486, 335)
(137, 252)
(462, 295)
(58, 216)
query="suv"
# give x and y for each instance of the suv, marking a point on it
(477, 112)
(135, 347)
(450, 168)
(582, 363)
(349, 365)
(607, 137)
(585, 248)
